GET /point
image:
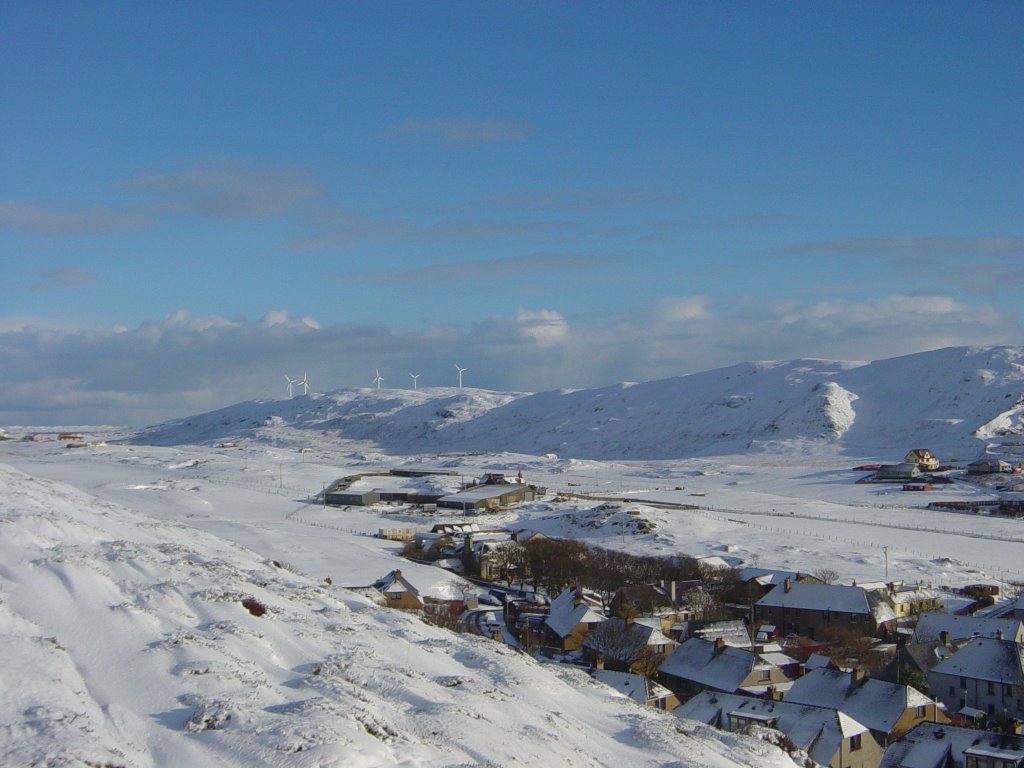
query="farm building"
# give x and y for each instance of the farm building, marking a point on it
(487, 497)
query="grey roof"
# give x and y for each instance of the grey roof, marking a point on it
(615, 639)
(931, 625)
(930, 745)
(818, 597)
(698, 661)
(816, 730)
(985, 659)
(637, 687)
(566, 614)
(876, 703)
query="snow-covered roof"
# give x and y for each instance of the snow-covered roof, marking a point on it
(766, 576)
(929, 745)
(567, 614)
(481, 493)
(931, 625)
(721, 667)
(985, 659)
(637, 687)
(875, 703)
(817, 661)
(818, 597)
(817, 730)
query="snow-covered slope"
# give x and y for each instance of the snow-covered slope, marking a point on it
(126, 643)
(950, 400)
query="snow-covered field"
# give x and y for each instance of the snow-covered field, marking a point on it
(123, 567)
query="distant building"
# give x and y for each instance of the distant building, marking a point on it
(923, 458)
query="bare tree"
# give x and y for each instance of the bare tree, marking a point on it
(826, 575)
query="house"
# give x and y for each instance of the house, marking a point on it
(761, 581)
(986, 674)
(733, 631)
(949, 627)
(923, 458)
(399, 592)
(627, 645)
(898, 472)
(828, 737)
(988, 466)
(807, 609)
(887, 709)
(910, 600)
(640, 689)
(683, 599)
(699, 665)
(932, 745)
(571, 618)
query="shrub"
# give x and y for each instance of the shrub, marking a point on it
(254, 606)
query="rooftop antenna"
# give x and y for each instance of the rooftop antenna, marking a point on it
(290, 381)
(377, 379)
(304, 383)
(414, 377)
(461, 371)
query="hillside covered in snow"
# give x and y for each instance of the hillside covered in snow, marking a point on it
(128, 642)
(951, 400)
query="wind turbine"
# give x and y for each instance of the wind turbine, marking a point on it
(414, 377)
(377, 379)
(290, 381)
(304, 383)
(461, 371)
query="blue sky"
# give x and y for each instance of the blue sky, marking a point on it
(198, 198)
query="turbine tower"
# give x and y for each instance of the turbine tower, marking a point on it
(414, 377)
(377, 379)
(304, 383)
(290, 381)
(461, 371)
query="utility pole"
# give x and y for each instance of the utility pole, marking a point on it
(886, 548)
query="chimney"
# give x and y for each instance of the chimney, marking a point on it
(672, 591)
(397, 573)
(787, 585)
(999, 634)
(856, 676)
(772, 693)
(599, 662)
(719, 645)
(944, 637)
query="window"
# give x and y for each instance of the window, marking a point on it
(921, 711)
(991, 688)
(764, 675)
(855, 742)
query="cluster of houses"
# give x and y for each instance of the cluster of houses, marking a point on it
(920, 470)
(405, 486)
(775, 664)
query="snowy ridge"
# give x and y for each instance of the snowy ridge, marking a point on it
(127, 643)
(950, 400)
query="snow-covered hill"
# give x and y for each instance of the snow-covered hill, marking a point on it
(950, 400)
(126, 643)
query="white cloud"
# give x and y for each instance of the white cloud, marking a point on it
(186, 363)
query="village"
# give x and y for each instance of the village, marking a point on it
(857, 675)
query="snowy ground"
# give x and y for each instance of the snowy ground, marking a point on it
(122, 567)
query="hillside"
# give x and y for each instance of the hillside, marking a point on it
(952, 400)
(126, 643)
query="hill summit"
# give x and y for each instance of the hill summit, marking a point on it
(952, 400)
